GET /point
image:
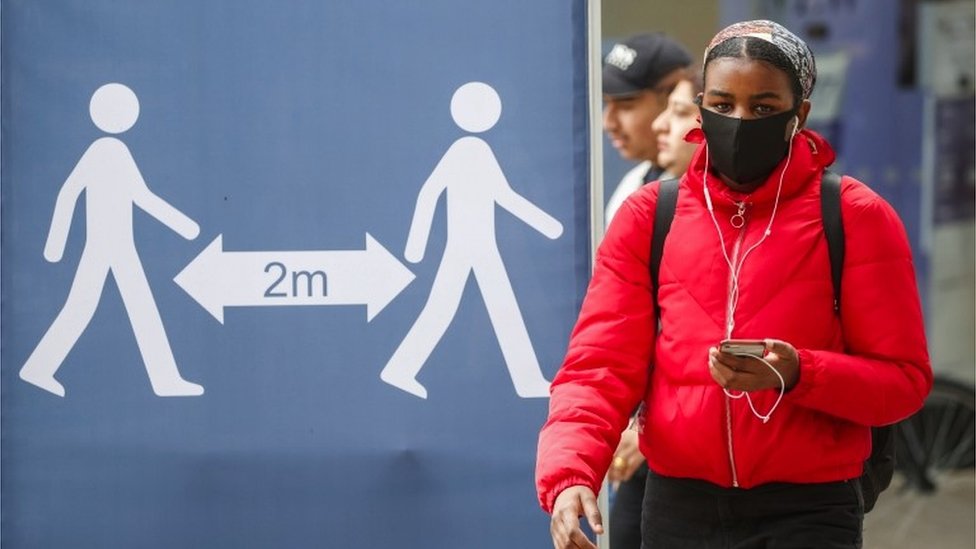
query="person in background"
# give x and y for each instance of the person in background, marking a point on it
(673, 125)
(638, 75)
(628, 470)
(743, 451)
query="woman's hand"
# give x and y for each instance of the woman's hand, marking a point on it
(570, 505)
(626, 459)
(742, 373)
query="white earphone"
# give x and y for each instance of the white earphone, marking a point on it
(735, 269)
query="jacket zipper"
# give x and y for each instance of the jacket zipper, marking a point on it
(738, 221)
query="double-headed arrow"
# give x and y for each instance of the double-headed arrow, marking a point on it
(218, 279)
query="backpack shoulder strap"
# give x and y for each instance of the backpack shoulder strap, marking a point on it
(833, 228)
(667, 199)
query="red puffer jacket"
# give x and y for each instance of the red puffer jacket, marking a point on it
(866, 368)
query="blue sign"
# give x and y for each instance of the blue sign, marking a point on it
(286, 274)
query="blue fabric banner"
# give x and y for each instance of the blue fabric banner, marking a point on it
(286, 274)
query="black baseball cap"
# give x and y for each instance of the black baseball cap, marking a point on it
(639, 62)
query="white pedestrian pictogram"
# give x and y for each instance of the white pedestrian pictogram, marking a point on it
(474, 183)
(112, 184)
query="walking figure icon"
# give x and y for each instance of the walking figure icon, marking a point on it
(113, 185)
(473, 181)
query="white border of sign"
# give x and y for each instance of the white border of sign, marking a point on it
(594, 58)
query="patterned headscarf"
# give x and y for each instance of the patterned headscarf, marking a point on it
(796, 50)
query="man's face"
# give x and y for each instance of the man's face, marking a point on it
(628, 120)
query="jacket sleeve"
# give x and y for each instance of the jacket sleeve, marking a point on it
(605, 371)
(884, 374)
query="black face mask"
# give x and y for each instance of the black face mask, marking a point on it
(745, 150)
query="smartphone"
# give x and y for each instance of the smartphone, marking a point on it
(751, 347)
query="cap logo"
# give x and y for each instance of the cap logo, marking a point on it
(621, 57)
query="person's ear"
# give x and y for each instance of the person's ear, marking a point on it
(802, 112)
(799, 120)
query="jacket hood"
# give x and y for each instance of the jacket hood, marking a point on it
(810, 155)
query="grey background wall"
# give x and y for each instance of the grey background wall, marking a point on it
(691, 22)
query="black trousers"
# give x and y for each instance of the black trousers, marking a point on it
(693, 514)
(625, 514)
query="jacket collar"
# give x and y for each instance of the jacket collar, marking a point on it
(810, 155)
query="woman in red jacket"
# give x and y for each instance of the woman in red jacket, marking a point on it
(742, 451)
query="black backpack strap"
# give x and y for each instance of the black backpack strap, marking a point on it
(833, 228)
(880, 465)
(667, 199)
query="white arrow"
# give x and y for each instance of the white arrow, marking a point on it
(218, 279)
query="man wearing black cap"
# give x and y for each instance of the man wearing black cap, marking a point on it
(638, 75)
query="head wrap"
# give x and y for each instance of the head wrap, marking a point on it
(791, 45)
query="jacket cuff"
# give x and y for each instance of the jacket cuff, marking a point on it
(808, 374)
(548, 498)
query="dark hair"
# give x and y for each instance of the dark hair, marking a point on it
(750, 47)
(695, 75)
